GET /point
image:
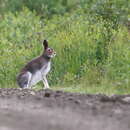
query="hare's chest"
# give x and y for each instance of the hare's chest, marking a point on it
(40, 73)
(46, 68)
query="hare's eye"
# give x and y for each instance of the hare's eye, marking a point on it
(49, 50)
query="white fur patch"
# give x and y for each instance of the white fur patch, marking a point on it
(46, 69)
(38, 76)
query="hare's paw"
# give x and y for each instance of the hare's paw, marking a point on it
(46, 87)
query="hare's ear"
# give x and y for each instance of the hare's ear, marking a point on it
(45, 44)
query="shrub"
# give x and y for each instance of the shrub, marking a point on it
(115, 11)
(86, 50)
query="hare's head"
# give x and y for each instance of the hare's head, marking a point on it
(48, 52)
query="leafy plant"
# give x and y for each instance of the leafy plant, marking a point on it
(91, 54)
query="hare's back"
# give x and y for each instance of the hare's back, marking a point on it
(35, 65)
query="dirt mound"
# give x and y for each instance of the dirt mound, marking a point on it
(57, 110)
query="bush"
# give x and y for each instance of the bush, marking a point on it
(44, 8)
(87, 46)
(115, 11)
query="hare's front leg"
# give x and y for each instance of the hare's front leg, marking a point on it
(45, 82)
(29, 80)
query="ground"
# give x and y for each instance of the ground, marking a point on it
(58, 110)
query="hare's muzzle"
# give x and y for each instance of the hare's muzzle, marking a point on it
(54, 53)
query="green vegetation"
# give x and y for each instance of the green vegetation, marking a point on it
(90, 37)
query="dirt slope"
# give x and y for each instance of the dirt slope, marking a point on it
(57, 110)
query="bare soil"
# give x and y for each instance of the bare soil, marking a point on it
(57, 110)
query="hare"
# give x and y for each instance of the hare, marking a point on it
(37, 69)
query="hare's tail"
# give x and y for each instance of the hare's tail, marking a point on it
(23, 79)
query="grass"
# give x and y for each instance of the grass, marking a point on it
(92, 55)
(93, 90)
(101, 89)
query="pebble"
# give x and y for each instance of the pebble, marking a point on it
(77, 101)
(47, 94)
(126, 99)
(32, 93)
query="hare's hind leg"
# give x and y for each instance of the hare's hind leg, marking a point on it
(24, 80)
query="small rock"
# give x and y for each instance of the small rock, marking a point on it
(32, 93)
(19, 88)
(117, 111)
(47, 94)
(126, 99)
(77, 101)
(58, 91)
(70, 98)
(107, 99)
